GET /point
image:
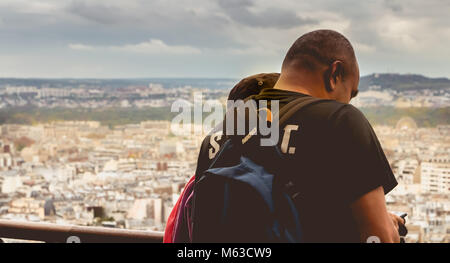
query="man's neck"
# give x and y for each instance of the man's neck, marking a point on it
(308, 86)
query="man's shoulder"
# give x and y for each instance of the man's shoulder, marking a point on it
(331, 117)
(325, 110)
(349, 115)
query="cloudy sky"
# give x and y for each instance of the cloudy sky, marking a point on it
(213, 38)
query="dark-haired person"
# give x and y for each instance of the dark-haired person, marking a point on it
(179, 224)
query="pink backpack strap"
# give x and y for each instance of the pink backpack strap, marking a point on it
(174, 215)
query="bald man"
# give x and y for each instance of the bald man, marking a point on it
(337, 164)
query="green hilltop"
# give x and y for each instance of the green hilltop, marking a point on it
(403, 82)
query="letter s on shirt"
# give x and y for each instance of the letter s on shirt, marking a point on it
(213, 141)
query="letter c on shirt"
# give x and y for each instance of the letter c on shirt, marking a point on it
(286, 137)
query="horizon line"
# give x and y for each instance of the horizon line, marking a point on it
(211, 78)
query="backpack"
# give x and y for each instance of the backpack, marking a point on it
(245, 198)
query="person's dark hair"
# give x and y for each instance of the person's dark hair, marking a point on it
(320, 47)
(252, 85)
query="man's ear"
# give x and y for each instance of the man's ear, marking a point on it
(331, 75)
(336, 73)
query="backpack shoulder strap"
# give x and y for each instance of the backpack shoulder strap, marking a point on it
(292, 107)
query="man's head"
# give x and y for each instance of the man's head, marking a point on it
(322, 63)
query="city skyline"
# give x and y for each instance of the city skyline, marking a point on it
(103, 155)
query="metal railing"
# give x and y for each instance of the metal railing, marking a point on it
(54, 233)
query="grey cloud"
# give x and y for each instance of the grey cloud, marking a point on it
(244, 27)
(395, 6)
(137, 21)
(100, 13)
(239, 11)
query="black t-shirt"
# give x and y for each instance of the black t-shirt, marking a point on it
(334, 157)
